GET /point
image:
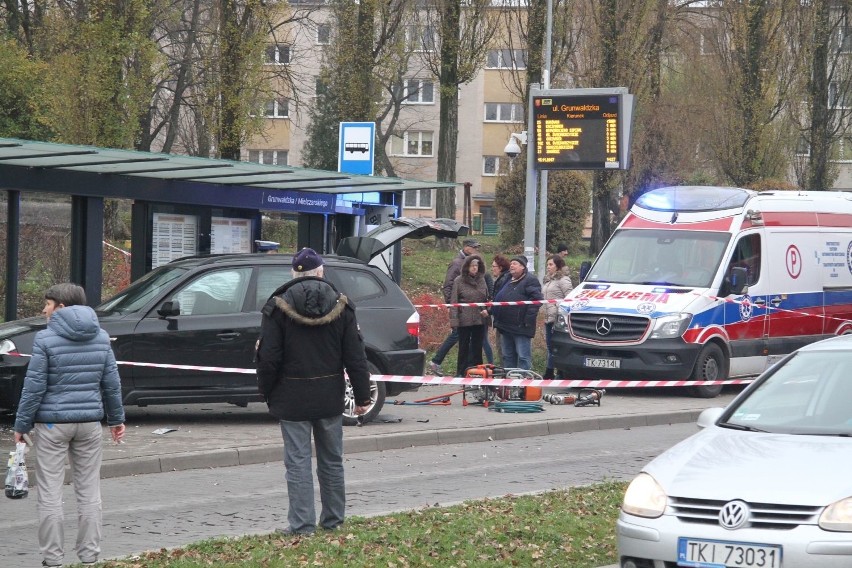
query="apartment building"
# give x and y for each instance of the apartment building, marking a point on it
(490, 109)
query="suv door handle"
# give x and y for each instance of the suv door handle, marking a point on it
(228, 335)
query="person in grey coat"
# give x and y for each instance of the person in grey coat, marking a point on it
(557, 285)
(71, 383)
(469, 287)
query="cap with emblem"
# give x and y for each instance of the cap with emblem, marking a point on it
(306, 259)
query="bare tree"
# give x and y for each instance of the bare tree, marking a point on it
(464, 32)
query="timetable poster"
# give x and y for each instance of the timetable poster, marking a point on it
(173, 236)
(230, 235)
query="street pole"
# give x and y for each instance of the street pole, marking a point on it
(542, 227)
(532, 180)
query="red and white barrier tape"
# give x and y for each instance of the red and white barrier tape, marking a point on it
(487, 304)
(746, 302)
(432, 380)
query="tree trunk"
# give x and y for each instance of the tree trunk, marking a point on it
(448, 131)
(820, 129)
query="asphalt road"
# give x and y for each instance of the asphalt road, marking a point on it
(174, 508)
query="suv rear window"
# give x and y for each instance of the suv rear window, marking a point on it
(358, 284)
(269, 278)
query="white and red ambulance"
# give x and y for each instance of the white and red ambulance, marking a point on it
(710, 283)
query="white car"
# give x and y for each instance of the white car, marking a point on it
(766, 483)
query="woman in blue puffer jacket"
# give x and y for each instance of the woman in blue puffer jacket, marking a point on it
(72, 381)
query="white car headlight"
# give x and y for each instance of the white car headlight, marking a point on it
(670, 326)
(644, 497)
(837, 516)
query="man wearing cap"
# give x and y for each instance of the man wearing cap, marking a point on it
(308, 337)
(469, 247)
(517, 324)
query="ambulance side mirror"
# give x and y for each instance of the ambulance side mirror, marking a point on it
(738, 279)
(585, 266)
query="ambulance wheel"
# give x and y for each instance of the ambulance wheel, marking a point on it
(377, 400)
(710, 366)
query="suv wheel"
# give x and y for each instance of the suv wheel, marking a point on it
(377, 400)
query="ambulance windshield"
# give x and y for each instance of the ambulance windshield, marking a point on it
(662, 257)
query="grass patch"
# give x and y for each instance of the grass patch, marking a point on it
(556, 528)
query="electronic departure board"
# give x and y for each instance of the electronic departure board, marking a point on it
(581, 132)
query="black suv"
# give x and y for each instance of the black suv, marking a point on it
(205, 311)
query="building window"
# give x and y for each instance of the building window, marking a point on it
(278, 108)
(420, 38)
(418, 91)
(418, 199)
(323, 34)
(496, 165)
(269, 157)
(412, 143)
(837, 98)
(320, 87)
(277, 53)
(504, 112)
(506, 59)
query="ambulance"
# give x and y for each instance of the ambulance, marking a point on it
(710, 284)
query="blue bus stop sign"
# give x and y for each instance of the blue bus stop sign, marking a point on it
(356, 153)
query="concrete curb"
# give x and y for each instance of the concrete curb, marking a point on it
(272, 453)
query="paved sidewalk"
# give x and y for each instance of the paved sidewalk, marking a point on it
(217, 435)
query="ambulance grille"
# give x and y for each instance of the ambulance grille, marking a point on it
(621, 328)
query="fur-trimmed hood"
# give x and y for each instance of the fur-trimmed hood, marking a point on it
(310, 301)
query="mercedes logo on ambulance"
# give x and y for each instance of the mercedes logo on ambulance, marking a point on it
(603, 326)
(733, 515)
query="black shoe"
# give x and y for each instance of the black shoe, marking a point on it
(45, 563)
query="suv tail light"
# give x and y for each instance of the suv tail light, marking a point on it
(413, 325)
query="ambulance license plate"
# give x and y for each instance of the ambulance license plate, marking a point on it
(598, 363)
(696, 553)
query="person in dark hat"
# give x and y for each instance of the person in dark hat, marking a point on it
(308, 337)
(469, 247)
(517, 324)
(562, 250)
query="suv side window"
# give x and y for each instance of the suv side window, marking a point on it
(356, 284)
(269, 279)
(215, 293)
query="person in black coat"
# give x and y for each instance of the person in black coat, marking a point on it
(309, 336)
(517, 324)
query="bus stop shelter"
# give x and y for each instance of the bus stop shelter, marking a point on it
(89, 175)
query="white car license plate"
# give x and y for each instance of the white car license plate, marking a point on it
(721, 554)
(602, 363)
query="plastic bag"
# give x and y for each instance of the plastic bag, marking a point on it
(17, 481)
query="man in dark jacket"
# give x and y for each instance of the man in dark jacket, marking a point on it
(72, 381)
(308, 336)
(517, 323)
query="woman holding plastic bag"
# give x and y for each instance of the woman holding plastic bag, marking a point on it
(72, 381)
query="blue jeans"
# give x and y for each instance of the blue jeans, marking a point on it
(328, 439)
(517, 351)
(486, 347)
(445, 347)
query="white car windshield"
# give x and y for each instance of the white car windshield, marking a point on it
(809, 393)
(669, 257)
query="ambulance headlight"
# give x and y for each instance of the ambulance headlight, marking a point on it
(670, 326)
(561, 322)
